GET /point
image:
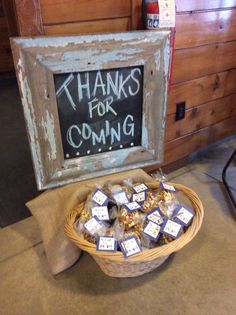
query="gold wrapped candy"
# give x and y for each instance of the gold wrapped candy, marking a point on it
(167, 202)
(128, 219)
(150, 203)
(90, 238)
(132, 233)
(165, 196)
(85, 215)
(163, 240)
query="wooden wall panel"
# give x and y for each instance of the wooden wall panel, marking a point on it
(204, 72)
(9, 13)
(6, 62)
(101, 26)
(60, 11)
(200, 117)
(202, 90)
(1, 10)
(193, 63)
(182, 147)
(136, 15)
(28, 15)
(205, 28)
(195, 5)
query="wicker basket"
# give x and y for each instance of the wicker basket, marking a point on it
(115, 265)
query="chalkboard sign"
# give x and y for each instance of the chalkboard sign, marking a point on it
(99, 111)
(93, 104)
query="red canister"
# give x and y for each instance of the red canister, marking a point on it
(151, 14)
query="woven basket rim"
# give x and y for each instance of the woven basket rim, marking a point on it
(147, 254)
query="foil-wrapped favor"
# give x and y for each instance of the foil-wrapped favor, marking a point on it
(165, 196)
(146, 242)
(163, 240)
(85, 215)
(151, 202)
(132, 233)
(167, 202)
(90, 238)
(128, 219)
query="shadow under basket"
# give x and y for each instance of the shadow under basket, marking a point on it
(115, 265)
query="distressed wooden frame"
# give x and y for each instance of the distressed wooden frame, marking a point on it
(37, 59)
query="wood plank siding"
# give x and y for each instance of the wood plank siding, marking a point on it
(204, 69)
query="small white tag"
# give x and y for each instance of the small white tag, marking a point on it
(100, 198)
(140, 187)
(152, 230)
(155, 217)
(101, 213)
(121, 198)
(140, 197)
(171, 228)
(168, 187)
(131, 206)
(166, 13)
(93, 226)
(184, 215)
(152, 21)
(130, 247)
(107, 244)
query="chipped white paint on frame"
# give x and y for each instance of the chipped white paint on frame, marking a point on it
(30, 119)
(70, 54)
(127, 37)
(49, 135)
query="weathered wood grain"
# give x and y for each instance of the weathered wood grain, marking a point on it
(200, 28)
(136, 15)
(200, 117)
(100, 26)
(42, 57)
(202, 90)
(197, 62)
(193, 5)
(9, 13)
(1, 10)
(28, 15)
(4, 37)
(6, 62)
(182, 147)
(73, 10)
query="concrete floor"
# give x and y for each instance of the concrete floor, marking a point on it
(198, 280)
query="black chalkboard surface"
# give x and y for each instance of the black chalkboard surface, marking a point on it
(99, 111)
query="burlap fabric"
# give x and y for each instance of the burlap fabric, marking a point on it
(51, 208)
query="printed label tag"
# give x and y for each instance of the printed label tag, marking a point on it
(184, 214)
(171, 228)
(155, 217)
(168, 187)
(107, 244)
(93, 226)
(140, 187)
(100, 198)
(132, 206)
(121, 198)
(101, 213)
(152, 21)
(130, 247)
(152, 230)
(166, 13)
(140, 197)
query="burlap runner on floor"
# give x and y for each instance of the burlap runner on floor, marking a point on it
(51, 208)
